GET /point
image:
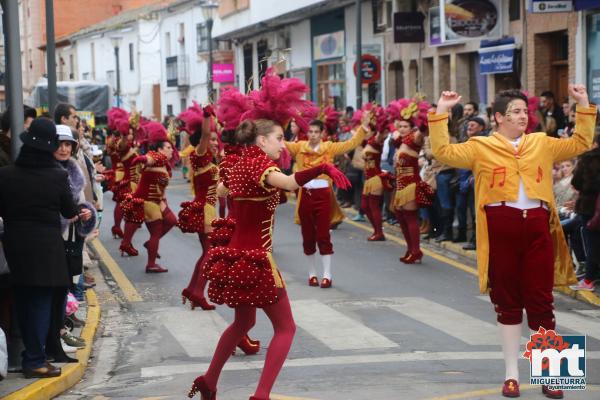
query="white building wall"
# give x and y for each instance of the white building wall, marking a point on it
(301, 45)
(197, 66)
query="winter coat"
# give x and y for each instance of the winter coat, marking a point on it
(33, 194)
(74, 233)
(586, 179)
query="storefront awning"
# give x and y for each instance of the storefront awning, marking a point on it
(497, 57)
(586, 4)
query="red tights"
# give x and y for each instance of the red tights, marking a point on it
(118, 215)
(409, 224)
(158, 229)
(195, 288)
(371, 204)
(284, 329)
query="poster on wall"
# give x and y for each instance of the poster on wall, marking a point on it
(464, 20)
(408, 27)
(329, 45)
(435, 34)
(595, 85)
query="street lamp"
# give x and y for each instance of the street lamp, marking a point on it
(209, 10)
(116, 41)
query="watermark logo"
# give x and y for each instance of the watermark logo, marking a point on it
(556, 361)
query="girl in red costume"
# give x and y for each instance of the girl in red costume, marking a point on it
(148, 203)
(197, 215)
(376, 181)
(411, 191)
(242, 273)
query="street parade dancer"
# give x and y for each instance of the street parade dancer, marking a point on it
(148, 203)
(316, 202)
(196, 216)
(243, 273)
(411, 191)
(376, 181)
(521, 249)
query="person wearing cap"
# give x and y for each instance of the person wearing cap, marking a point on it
(34, 193)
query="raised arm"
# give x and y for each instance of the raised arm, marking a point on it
(202, 145)
(460, 155)
(583, 135)
(280, 180)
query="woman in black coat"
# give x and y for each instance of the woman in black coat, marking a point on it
(586, 180)
(33, 194)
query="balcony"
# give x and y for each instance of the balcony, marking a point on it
(177, 71)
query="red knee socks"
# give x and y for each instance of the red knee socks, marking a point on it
(118, 215)
(130, 228)
(400, 214)
(169, 221)
(366, 207)
(197, 283)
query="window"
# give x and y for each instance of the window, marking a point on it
(382, 15)
(111, 78)
(263, 53)
(331, 83)
(514, 10)
(202, 38)
(86, 76)
(181, 38)
(169, 109)
(183, 104)
(71, 67)
(131, 66)
(248, 67)
(168, 44)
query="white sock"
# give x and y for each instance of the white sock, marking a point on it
(312, 265)
(326, 260)
(510, 336)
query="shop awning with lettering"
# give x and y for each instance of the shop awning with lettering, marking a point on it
(497, 56)
(586, 4)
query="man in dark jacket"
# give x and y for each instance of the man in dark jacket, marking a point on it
(34, 192)
(586, 179)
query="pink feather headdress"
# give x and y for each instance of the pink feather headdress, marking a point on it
(330, 118)
(114, 115)
(414, 110)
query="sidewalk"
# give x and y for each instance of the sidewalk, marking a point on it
(456, 248)
(16, 387)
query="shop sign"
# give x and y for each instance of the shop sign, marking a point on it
(329, 45)
(223, 73)
(549, 6)
(408, 27)
(496, 59)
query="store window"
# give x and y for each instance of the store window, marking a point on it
(331, 84)
(593, 56)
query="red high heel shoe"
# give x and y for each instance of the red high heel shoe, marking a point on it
(116, 232)
(128, 249)
(552, 394)
(249, 346)
(376, 237)
(313, 281)
(200, 386)
(511, 388)
(405, 256)
(146, 246)
(326, 283)
(155, 269)
(414, 258)
(196, 301)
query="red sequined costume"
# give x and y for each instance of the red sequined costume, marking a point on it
(196, 216)
(144, 205)
(232, 155)
(410, 187)
(376, 181)
(243, 274)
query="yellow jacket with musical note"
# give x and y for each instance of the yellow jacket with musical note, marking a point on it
(498, 168)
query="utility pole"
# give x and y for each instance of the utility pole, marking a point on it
(358, 56)
(50, 56)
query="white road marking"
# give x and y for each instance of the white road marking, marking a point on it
(196, 331)
(170, 370)
(336, 330)
(454, 323)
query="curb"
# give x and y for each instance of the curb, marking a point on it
(47, 388)
(586, 297)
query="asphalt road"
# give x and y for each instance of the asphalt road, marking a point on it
(385, 330)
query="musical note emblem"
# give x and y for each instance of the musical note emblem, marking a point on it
(498, 171)
(540, 175)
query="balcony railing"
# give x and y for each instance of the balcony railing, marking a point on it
(177, 71)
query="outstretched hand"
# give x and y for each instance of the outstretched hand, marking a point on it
(339, 179)
(579, 93)
(448, 99)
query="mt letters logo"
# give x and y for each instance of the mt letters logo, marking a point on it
(556, 361)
